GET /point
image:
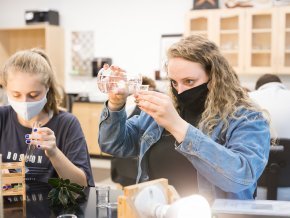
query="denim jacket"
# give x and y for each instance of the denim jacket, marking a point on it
(227, 168)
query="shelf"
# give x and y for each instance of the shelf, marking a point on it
(229, 52)
(198, 24)
(11, 165)
(229, 31)
(204, 33)
(261, 42)
(229, 23)
(12, 178)
(12, 192)
(262, 31)
(261, 60)
(232, 58)
(262, 21)
(264, 51)
(28, 27)
(229, 42)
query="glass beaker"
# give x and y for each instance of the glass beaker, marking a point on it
(30, 148)
(109, 81)
(102, 196)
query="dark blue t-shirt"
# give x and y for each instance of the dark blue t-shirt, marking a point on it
(69, 139)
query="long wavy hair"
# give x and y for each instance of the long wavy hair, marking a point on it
(226, 95)
(35, 62)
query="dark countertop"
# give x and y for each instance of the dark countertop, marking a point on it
(37, 205)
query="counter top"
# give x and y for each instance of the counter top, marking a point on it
(38, 205)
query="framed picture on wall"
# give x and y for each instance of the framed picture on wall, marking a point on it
(205, 4)
(166, 41)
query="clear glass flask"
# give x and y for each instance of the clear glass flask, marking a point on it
(109, 81)
(30, 148)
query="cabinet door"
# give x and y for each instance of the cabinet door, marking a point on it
(261, 47)
(201, 22)
(230, 37)
(284, 40)
(89, 116)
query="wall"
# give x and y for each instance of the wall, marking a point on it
(129, 31)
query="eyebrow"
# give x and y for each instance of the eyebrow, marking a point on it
(37, 92)
(186, 78)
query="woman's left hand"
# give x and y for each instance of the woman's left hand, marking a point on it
(43, 138)
(161, 108)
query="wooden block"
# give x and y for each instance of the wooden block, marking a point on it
(126, 208)
(132, 189)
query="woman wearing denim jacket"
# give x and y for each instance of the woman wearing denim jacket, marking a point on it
(207, 138)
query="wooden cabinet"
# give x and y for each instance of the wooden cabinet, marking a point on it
(47, 37)
(201, 22)
(225, 28)
(230, 37)
(284, 43)
(261, 52)
(88, 114)
(253, 40)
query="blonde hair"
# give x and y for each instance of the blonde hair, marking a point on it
(226, 96)
(36, 62)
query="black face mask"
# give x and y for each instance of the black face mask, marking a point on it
(192, 100)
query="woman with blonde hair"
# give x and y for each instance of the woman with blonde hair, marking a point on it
(208, 138)
(33, 95)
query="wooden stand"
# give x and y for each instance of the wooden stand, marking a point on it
(126, 207)
(11, 178)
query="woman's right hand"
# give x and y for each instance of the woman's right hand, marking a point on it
(118, 97)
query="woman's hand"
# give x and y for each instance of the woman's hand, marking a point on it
(161, 108)
(117, 98)
(43, 138)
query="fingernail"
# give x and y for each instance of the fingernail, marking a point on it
(27, 136)
(27, 141)
(35, 130)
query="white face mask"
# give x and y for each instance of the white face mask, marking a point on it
(28, 110)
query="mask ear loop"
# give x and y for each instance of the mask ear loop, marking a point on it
(50, 112)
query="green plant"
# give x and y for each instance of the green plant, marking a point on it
(64, 192)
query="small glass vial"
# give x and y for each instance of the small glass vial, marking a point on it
(109, 81)
(30, 148)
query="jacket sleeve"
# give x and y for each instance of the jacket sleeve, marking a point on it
(117, 135)
(238, 163)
